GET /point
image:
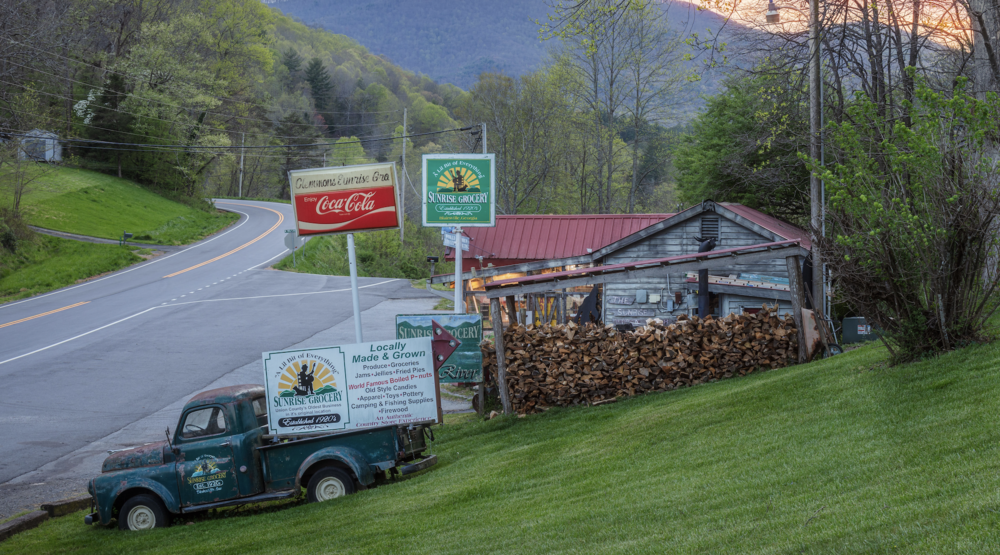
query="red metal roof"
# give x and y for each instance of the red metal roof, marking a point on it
(771, 224)
(539, 237)
(584, 272)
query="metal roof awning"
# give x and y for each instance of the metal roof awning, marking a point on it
(654, 268)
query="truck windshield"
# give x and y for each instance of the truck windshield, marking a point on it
(204, 422)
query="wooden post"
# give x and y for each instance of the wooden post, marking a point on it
(511, 310)
(501, 363)
(796, 291)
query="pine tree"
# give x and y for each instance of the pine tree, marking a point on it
(292, 60)
(109, 123)
(319, 83)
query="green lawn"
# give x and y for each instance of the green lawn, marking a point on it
(840, 456)
(99, 205)
(48, 263)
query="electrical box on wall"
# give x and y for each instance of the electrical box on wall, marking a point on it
(640, 296)
(655, 299)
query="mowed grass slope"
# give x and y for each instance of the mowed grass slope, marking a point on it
(839, 456)
(99, 205)
(48, 263)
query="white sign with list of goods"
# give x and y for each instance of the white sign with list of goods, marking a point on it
(350, 387)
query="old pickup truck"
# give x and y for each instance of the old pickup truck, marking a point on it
(221, 455)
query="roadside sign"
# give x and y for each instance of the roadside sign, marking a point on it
(466, 363)
(293, 242)
(459, 190)
(350, 387)
(344, 199)
(449, 241)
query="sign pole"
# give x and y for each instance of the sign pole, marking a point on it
(354, 287)
(402, 190)
(459, 309)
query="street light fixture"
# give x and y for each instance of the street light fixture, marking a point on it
(772, 13)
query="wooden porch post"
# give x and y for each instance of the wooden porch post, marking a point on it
(797, 293)
(501, 363)
(511, 310)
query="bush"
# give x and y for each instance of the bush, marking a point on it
(914, 208)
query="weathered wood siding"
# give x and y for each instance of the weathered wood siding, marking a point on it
(674, 241)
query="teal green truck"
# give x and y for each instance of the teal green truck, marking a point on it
(220, 455)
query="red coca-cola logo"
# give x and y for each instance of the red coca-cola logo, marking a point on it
(357, 202)
(353, 210)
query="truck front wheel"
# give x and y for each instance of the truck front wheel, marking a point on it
(142, 512)
(329, 483)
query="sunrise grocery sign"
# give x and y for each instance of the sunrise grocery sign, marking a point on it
(344, 199)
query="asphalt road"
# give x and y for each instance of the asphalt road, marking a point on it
(80, 363)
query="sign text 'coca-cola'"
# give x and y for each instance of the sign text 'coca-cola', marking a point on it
(345, 199)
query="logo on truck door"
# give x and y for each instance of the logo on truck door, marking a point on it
(207, 477)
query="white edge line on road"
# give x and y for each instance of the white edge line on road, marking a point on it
(181, 304)
(140, 266)
(266, 261)
(78, 336)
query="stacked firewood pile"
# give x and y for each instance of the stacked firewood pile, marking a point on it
(568, 364)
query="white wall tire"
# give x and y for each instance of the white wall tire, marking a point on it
(142, 512)
(329, 483)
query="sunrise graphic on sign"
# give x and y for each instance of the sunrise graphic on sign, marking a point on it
(306, 377)
(458, 180)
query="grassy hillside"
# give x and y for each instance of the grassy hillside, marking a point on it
(46, 263)
(99, 205)
(840, 456)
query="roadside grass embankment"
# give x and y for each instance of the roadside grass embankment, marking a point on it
(98, 205)
(843, 455)
(378, 254)
(45, 263)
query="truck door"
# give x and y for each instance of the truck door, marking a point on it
(205, 468)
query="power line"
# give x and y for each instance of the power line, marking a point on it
(189, 125)
(220, 114)
(183, 148)
(223, 98)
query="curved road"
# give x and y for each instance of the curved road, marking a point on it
(82, 362)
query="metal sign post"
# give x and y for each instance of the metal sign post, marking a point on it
(354, 288)
(459, 308)
(345, 199)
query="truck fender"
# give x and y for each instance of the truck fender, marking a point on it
(169, 499)
(347, 456)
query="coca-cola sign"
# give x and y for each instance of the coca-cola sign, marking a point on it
(345, 199)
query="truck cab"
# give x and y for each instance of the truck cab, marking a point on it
(220, 454)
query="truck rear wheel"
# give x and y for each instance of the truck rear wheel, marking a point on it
(329, 483)
(143, 512)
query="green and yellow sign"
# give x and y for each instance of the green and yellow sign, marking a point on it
(459, 190)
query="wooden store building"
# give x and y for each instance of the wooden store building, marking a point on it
(549, 249)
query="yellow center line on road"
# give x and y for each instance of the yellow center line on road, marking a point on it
(43, 314)
(241, 247)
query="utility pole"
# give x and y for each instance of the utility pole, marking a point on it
(483, 125)
(815, 146)
(402, 188)
(243, 137)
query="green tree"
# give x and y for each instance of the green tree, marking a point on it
(292, 60)
(319, 84)
(744, 148)
(299, 139)
(914, 218)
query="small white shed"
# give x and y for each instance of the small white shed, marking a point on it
(41, 145)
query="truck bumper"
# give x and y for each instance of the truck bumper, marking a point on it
(92, 518)
(418, 466)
